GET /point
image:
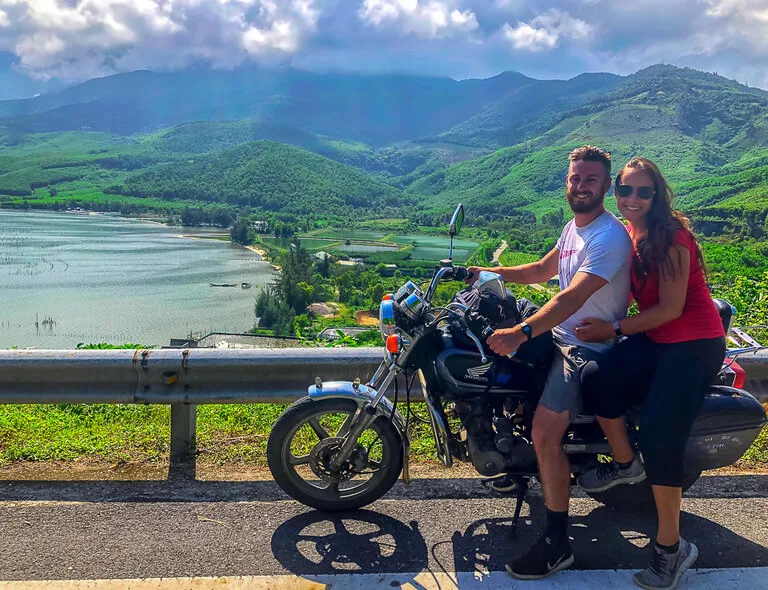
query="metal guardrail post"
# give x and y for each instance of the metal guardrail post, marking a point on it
(183, 441)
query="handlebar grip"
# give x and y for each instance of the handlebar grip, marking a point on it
(460, 273)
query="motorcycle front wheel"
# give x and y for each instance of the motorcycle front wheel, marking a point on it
(306, 437)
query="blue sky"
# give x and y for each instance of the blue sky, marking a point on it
(73, 40)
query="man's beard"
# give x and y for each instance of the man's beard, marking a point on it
(588, 205)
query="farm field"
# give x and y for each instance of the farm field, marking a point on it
(364, 243)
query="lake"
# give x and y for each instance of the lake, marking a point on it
(107, 279)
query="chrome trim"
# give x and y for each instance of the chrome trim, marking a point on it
(435, 282)
(439, 428)
(386, 318)
(364, 395)
(414, 306)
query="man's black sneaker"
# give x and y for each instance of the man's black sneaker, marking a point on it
(542, 560)
(506, 484)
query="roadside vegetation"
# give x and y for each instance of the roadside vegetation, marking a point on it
(234, 434)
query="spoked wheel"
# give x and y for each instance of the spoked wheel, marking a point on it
(306, 438)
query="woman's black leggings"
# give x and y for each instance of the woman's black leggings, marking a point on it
(670, 380)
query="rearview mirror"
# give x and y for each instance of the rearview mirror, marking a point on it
(456, 221)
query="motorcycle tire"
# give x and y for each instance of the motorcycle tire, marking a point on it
(636, 497)
(278, 453)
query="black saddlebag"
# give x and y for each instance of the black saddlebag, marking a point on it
(727, 425)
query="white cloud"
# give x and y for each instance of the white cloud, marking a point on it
(739, 22)
(80, 39)
(429, 19)
(545, 31)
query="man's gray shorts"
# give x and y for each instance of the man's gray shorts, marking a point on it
(563, 389)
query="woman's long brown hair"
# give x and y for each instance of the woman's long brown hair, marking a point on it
(662, 221)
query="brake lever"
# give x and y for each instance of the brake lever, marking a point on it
(479, 346)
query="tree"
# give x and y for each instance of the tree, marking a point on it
(223, 217)
(376, 292)
(242, 233)
(296, 269)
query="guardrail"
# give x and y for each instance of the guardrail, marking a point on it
(181, 378)
(185, 378)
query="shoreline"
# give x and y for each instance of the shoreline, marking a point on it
(261, 253)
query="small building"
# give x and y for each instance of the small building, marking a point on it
(389, 270)
(333, 333)
(236, 341)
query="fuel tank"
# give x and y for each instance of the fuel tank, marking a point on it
(462, 373)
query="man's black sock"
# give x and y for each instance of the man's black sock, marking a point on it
(557, 526)
(624, 466)
(668, 548)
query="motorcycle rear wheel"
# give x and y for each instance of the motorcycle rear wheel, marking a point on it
(327, 419)
(636, 497)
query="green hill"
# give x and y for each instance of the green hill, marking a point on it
(265, 175)
(706, 133)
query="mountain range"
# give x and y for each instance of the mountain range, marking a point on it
(363, 142)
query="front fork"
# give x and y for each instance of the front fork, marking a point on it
(368, 413)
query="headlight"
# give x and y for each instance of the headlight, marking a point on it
(387, 318)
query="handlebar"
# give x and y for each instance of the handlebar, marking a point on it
(452, 273)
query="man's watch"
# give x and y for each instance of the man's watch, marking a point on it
(617, 328)
(527, 330)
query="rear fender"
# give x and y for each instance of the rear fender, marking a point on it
(362, 395)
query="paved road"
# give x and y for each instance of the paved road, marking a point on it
(91, 530)
(498, 252)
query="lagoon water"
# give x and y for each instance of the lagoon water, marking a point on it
(108, 279)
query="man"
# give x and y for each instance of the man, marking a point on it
(591, 258)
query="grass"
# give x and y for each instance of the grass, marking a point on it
(132, 433)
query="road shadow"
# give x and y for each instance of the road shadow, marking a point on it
(360, 541)
(603, 539)
(318, 543)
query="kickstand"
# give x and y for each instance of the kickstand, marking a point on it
(522, 489)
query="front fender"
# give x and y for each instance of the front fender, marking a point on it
(362, 395)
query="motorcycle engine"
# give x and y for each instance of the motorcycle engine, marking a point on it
(495, 437)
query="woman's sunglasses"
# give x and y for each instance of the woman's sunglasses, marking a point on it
(644, 192)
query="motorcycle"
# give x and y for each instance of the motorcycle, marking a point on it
(345, 444)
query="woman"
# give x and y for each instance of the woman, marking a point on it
(673, 351)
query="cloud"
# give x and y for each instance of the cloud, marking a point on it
(545, 31)
(739, 22)
(79, 39)
(430, 19)
(76, 39)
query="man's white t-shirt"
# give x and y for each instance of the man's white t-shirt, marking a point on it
(600, 248)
